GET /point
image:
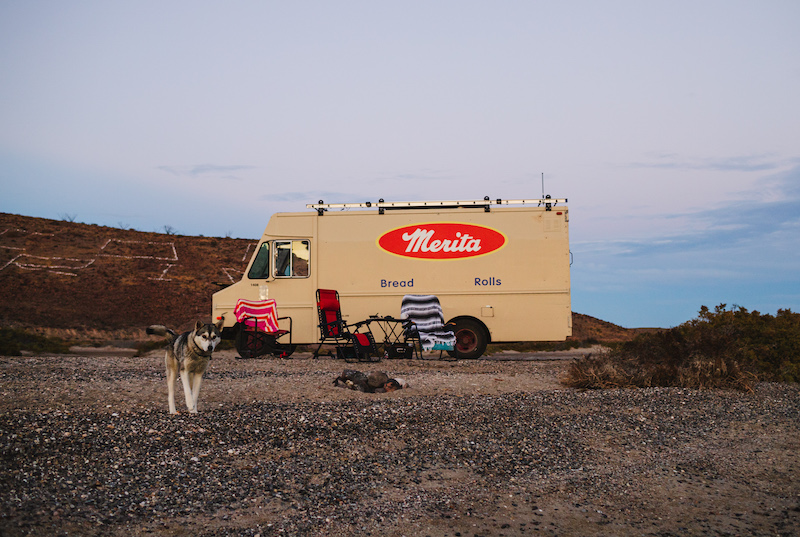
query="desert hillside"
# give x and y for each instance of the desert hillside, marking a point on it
(66, 275)
(75, 279)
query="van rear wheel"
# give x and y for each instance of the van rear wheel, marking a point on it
(471, 339)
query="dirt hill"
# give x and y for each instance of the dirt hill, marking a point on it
(586, 327)
(71, 276)
(88, 281)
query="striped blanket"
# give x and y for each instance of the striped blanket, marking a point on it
(426, 313)
(262, 312)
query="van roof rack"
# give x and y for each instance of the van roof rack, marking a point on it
(486, 203)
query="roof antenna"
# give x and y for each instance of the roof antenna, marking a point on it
(542, 185)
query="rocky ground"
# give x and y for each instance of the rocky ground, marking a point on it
(472, 448)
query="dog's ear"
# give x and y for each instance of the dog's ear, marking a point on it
(218, 324)
(198, 325)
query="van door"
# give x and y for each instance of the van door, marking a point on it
(290, 284)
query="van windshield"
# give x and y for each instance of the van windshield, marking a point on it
(260, 268)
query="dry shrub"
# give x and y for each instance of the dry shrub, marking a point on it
(725, 348)
(714, 374)
(597, 371)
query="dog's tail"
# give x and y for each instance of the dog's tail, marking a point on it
(160, 330)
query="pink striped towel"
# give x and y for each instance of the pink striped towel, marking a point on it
(265, 313)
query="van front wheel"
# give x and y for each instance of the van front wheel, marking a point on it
(471, 339)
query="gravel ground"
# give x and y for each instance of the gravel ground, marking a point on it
(472, 448)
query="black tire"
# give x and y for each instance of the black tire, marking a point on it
(471, 339)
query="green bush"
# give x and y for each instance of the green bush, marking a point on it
(14, 341)
(766, 345)
(725, 348)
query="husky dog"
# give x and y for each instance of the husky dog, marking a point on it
(188, 354)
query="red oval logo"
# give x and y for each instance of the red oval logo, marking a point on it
(442, 240)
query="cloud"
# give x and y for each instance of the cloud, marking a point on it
(197, 170)
(733, 228)
(772, 207)
(754, 239)
(424, 175)
(764, 213)
(312, 196)
(746, 163)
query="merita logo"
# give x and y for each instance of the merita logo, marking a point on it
(441, 240)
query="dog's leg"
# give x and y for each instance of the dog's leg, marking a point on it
(196, 381)
(172, 376)
(187, 391)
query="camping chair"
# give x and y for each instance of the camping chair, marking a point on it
(331, 325)
(259, 330)
(361, 348)
(426, 327)
(350, 345)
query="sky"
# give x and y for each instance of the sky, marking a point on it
(673, 127)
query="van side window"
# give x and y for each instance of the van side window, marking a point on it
(260, 268)
(291, 259)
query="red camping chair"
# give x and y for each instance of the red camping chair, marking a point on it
(259, 331)
(332, 328)
(350, 345)
(363, 349)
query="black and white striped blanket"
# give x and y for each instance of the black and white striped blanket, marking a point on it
(426, 313)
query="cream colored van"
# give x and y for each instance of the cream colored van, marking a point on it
(500, 268)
